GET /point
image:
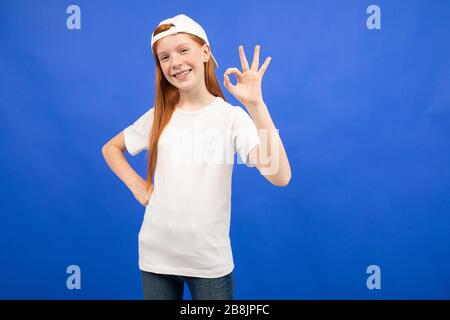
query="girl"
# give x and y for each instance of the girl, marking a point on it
(192, 134)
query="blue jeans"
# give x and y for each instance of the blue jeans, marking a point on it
(170, 287)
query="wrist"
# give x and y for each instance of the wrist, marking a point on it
(255, 104)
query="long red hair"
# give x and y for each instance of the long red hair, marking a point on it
(167, 96)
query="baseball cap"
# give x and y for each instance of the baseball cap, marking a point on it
(182, 23)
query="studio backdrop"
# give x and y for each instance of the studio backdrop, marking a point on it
(360, 93)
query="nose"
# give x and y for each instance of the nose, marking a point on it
(176, 61)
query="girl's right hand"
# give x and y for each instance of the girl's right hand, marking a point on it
(142, 194)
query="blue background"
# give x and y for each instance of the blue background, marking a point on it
(364, 116)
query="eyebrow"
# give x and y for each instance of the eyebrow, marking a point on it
(180, 45)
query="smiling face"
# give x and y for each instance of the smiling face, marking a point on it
(182, 60)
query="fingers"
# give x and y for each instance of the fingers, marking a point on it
(244, 62)
(234, 71)
(255, 62)
(264, 66)
(149, 192)
(255, 65)
(226, 79)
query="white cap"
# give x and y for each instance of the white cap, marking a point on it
(182, 23)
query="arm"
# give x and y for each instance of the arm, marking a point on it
(113, 153)
(248, 91)
(269, 157)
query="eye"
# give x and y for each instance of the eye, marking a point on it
(183, 50)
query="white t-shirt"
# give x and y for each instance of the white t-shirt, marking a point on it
(186, 226)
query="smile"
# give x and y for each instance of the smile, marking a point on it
(182, 75)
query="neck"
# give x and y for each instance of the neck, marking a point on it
(195, 98)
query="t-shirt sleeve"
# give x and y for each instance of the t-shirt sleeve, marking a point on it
(245, 134)
(137, 135)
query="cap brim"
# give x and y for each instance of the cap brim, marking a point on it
(215, 62)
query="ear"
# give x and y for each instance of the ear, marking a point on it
(206, 52)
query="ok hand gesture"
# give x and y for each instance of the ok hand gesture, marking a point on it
(248, 87)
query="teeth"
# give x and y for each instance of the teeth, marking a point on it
(182, 74)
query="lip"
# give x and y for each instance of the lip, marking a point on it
(173, 75)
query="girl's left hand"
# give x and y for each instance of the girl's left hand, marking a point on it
(248, 87)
